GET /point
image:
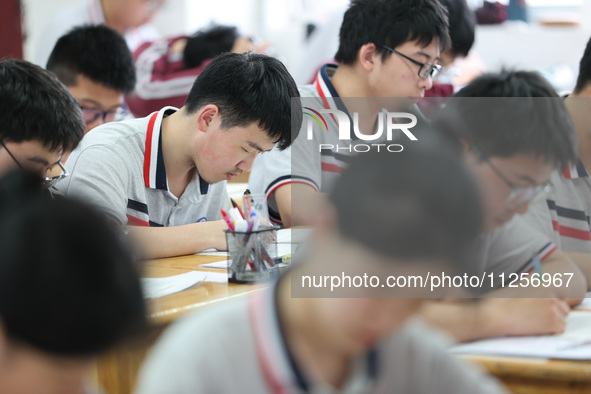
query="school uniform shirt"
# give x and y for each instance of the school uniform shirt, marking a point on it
(510, 248)
(303, 162)
(162, 78)
(88, 12)
(119, 167)
(239, 347)
(564, 214)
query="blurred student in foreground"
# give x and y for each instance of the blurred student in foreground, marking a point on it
(275, 342)
(68, 290)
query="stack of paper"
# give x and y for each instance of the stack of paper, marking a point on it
(160, 287)
(574, 343)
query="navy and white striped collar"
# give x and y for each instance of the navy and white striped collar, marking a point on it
(575, 170)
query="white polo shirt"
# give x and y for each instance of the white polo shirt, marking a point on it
(119, 167)
(239, 346)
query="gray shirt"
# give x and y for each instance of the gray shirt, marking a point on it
(238, 347)
(119, 167)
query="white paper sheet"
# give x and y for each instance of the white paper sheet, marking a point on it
(293, 235)
(574, 343)
(586, 304)
(160, 287)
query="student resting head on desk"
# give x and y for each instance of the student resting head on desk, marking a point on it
(165, 174)
(68, 290)
(512, 131)
(274, 341)
(39, 120)
(387, 49)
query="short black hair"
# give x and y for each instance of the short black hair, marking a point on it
(462, 24)
(584, 69)
(418, 204)
(390, 23)
(34, 105)
(97, 52)
(509, 113)
(250, 87)
(68, 285)
(209, 43)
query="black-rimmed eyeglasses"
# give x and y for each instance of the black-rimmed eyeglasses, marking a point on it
(47, 182)
(426, 70)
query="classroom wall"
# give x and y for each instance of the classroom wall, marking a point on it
(283, 22)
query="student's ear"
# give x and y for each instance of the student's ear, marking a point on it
(367, 56)
(206, 116)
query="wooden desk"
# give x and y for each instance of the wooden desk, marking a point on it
(538, 376)
(117, 370)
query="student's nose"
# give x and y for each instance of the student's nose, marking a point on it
(247, 163)
(426, 83)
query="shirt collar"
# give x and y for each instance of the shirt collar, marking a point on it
(279, 367)
(154, 169)
(575, 170)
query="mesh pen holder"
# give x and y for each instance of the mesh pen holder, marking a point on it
(253, 254)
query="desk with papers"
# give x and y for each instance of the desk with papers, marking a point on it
(117, 371)
(189, 286)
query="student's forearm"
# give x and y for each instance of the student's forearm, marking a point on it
(490, 317)
(465, 321)
(158, 242)
(583, 261)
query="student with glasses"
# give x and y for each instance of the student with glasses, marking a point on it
(97, 68)
(563, 214)
(386, 51)
(513, 132)
(39, 121)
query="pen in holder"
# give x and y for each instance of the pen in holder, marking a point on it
(251, 253)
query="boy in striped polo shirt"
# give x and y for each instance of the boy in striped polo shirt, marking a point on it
(564, 214)
(388, 49)
(164, 175)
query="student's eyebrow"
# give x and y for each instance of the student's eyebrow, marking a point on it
(38, 159)
(530, 180)
(427, 56)
(256, 146)
(91, 101)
